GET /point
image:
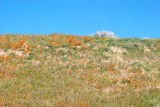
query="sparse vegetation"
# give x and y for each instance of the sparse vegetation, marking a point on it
(75, 71)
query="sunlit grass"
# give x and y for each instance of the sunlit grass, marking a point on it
(75, 71)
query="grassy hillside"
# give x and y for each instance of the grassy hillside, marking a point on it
(73, 71)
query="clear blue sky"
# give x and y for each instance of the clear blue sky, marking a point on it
(126, 18)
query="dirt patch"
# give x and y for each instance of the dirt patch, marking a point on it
(117, 50)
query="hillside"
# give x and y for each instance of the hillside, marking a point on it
(78, 71)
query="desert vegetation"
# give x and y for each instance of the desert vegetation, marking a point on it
(60, 70)
(108, 34)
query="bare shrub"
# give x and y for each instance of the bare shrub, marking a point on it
(106, 34)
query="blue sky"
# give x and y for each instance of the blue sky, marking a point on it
(126, 18)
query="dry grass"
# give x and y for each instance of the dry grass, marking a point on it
(73, 71)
